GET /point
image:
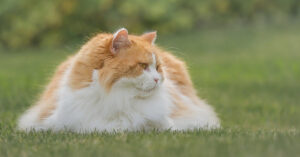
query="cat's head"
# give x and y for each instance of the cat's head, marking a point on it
(133, 65)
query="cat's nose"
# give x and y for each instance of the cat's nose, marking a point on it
(156, 80)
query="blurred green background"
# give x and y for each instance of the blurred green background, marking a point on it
(26, 23)
(243, 57)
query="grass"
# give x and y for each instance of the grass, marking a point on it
(250, 75)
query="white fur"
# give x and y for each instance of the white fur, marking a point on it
(132, 104)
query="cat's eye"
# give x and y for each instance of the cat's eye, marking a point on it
(144, 65)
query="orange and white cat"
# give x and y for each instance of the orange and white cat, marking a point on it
(120, 82)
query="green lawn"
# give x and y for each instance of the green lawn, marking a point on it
(251, 75)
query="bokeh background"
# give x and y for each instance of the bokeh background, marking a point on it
(51, 23)
(243, 57)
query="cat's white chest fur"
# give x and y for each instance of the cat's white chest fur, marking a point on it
(92, 109)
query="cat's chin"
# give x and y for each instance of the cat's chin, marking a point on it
(146, 90)
(144, 93)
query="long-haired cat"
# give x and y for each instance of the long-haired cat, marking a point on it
(120, 82)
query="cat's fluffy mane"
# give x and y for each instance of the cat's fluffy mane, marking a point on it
(119, 82)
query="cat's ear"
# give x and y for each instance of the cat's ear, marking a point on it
(120, 40)
(150, 37)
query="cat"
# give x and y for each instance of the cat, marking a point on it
(120, 82)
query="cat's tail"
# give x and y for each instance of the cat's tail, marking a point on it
(203, 117)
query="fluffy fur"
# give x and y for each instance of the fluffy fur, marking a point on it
(119, 82)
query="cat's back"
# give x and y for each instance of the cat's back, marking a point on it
(176, 71)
